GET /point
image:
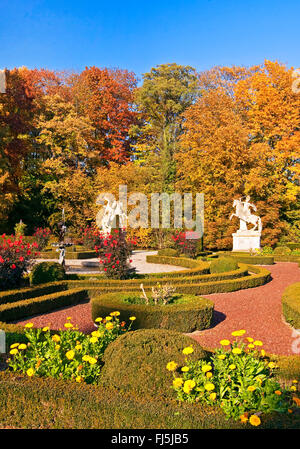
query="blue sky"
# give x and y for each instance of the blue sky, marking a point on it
(138, 35)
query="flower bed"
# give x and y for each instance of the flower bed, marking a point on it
(291, 305)
(186, 313)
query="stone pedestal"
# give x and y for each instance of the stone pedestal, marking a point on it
(246, 240)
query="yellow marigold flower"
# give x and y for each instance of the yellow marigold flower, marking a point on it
(177, 382)
(278, 392)
(209, 386)
(98, 320)
(92, 360)
(68, 325)
(297, 400)
(221, 356)
(258, 343)
(78, 347)
(238, 333)
(254, 420)
(28, 325)
(250, 339)
(188, 350)
(69, 318)
(206, 368)
(251, 346)
(251, 388)
(15, 345)
(22, 346)
(79, 379)
(93, 339)
(115, 313)
(212, 396)
(171, 366)
(263, 352)
(295, 381)
(225, 342)
(45, 329)
(86, 358)
(70, 354)
(96, 334)
(236, 351)
(293, 388)
(109, 326)
(185, 369)
(56, 338)
(209, 375)
(132, 318)
(57, 347)
(232, 366)
(13, 351)
(108, 318)
(30, 372)
(244, 418)
(271, 365)
(188, 386)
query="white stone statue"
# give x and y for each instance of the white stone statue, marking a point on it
(105, 218)
(243, 212)
(246, 239)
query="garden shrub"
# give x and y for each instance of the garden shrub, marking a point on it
(223, 264)
(16, 258)
(291, 304)
(239, 379)
(186, 314)
(67, 354)
(42, 237)
(136, 361)
(282, 250)
(114, 251)
(45, 272)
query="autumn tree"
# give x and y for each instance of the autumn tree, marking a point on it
(105, 97)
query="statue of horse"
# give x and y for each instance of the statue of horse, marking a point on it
(242, 211)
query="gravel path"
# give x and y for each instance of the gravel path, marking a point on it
(257, 310)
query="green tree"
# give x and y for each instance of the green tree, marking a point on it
(166, 93)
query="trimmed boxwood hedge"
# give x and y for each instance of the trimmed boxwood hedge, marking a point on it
(136, 361)
(193, 314)
(246, 258)
(42, 304)
(32, 292)
(70, 255)
(291, 305)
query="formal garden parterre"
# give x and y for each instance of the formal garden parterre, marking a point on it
(184, 376)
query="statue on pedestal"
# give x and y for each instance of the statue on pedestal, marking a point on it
(243, 212)
(246, 239)
(105, 218)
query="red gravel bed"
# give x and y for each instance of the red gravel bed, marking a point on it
(257, 310)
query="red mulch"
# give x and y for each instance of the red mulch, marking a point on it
(257, 310)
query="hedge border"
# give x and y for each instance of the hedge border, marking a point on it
(195, 314)
(291, 305)
(252, 260)
(70, 255)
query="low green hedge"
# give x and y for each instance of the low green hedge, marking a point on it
(43, 304)
(70, 255)
(291, 305)
(286, 258)
(168, 252)
(45, 272)
(192, 313)
(223, 265)
(293, 245)
(136, 361)
(31, 292)
(246, 258)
